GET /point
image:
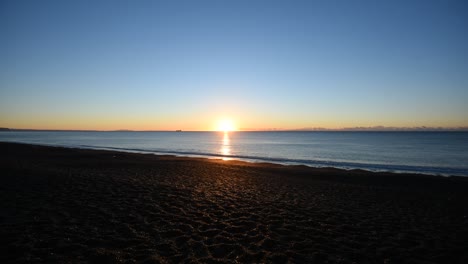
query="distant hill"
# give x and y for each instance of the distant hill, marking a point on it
(4, 129)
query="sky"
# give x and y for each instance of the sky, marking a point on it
(166, 65)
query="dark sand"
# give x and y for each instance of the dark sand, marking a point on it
(69, 205)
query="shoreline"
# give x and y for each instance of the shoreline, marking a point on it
(79, 205)
(260, 160)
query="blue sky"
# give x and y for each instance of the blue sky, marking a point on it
(263, 64)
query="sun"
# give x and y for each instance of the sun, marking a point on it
(226, 125)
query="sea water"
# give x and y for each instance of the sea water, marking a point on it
(439, 153)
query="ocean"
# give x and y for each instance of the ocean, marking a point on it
(437, 153)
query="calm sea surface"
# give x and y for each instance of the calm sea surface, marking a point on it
(441, 153)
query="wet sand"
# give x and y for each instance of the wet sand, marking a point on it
(63, 205)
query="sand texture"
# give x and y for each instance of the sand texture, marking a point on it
(77, 206)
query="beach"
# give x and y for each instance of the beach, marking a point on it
(65, 205)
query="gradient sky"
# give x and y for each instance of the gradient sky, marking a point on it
(154, 65)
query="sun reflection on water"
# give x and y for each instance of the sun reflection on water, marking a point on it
(226, 147)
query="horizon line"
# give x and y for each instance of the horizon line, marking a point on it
(318, 129)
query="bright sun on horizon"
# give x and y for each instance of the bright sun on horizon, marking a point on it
(225, 125)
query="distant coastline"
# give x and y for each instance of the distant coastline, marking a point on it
(318, 129)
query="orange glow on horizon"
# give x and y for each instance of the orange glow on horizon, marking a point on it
(209, 121)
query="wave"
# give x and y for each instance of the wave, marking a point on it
(443, 171)
(398, 168)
